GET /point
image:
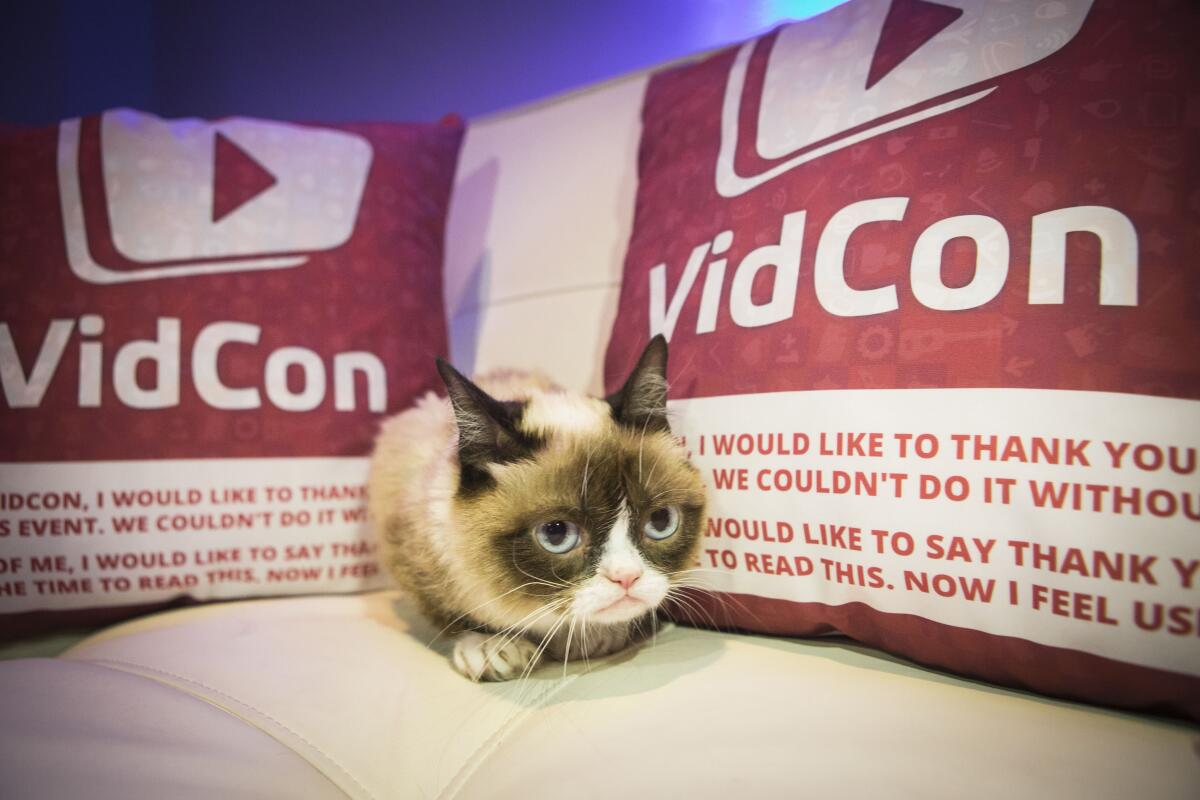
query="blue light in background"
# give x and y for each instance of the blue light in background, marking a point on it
(776, 11)
(719, 22)
(312, 59)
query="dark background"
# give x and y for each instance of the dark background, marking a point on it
(337, 61)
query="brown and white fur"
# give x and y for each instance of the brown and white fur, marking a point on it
(471, 496)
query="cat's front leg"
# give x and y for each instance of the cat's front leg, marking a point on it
(592, 641)
(487, 657)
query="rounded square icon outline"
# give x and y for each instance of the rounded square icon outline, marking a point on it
(968, 51)
(85, 265)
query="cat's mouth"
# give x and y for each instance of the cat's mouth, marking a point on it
(623, 608)
(628, 601)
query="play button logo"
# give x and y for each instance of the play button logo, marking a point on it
(909, 24)
(145, 198)
(868, 67)
(237, 178)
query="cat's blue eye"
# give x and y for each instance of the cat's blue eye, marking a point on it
(558, 536)
(662, 522)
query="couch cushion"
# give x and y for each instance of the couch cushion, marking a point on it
(538, 221)
(350, 685)
(78, 729)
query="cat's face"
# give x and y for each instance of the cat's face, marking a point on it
(577, 507)
(599, 521)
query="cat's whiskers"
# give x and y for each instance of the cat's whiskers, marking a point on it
(705, 587)
(523, 626)
(553, 584)
(466, 614)
(656, 498)
(693, 609)
(445, 520)
(532, 617)
(583, 650)
(587, 463)
(724, 599)
(567, 651)
(537, 655)
(645, 425)
(678, 573)
(642, 445)
(683, 580)
(641, 635)
(653, 467)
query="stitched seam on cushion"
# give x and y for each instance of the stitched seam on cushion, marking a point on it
(125, 666)
(488, 746)
(541, 294)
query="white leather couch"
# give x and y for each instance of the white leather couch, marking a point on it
(327, 697)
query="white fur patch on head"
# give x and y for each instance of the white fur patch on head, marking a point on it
(620, 560)
(564, 412)
(624, 586)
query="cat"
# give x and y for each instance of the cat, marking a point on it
(533, 522)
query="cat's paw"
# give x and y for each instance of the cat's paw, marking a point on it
(481, 657)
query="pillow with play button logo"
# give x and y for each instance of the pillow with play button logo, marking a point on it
(967, 222)
(201, 324)
(146, 198)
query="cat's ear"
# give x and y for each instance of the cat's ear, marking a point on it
(487, 432)
(642, 402)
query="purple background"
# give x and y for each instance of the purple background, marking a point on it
(338, 61)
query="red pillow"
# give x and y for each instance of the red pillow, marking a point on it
(926, 271)
(200, 325)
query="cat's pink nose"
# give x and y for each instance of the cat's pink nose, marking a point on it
(625, 577)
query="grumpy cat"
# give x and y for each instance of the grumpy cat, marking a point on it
(534, 522)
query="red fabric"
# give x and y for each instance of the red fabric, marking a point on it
(351, 220)
(1107, 119)
(379, 292)
(968, 161)
(1006, 660)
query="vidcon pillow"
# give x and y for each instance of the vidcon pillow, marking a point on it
(200, 324)
(928, 275)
